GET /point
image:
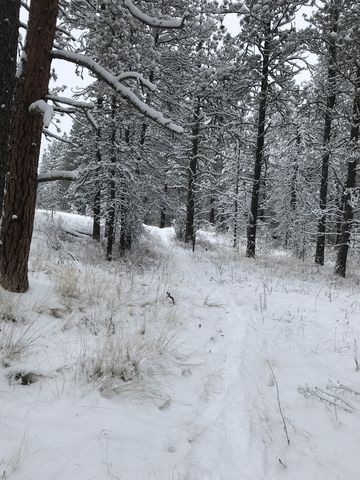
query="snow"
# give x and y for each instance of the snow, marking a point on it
(114, 83)
(151, 21)
(58, 175)
(205, 406)
(40, 106)
(20, 67)
(139, 78)
(71, 101)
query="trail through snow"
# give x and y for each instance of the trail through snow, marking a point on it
(241, 328)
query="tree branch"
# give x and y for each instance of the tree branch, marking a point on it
(114, 83)
(151, 21)
(58, 175)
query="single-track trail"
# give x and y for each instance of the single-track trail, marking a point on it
(250, 375)
(213, 409)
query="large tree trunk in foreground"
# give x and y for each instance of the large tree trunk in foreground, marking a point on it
(348, 212)
(26, 130)
(259, 153)
(9, 31)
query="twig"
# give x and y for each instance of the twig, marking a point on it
(357, 368)
(171, 297)
(327, 397)
(279, 403)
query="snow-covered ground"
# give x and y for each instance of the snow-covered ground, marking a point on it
(251, 374)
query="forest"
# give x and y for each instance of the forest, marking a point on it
(185, 122)
(187, 250)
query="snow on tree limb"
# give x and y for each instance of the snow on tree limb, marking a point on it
(91, 120)
(151, 21)
(139, 78)
(40, 106)
(114, 83)
(47, 133)
(70, 101)
(58, 175)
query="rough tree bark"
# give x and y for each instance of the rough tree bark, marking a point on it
(9, 31)
(25, 139)
(260, 143)
(348, 211)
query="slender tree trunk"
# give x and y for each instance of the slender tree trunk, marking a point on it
(293, 190)
(125, 241)
(339, 212)
(110, 220)
(124, 226)
(259, 152)
(212, 211)
(236, 206)
(329, 113)
(190, 205)
(9, 31)
(295, 170)
(96, 235)
(163, 210)
(26, 130)
(348, 211)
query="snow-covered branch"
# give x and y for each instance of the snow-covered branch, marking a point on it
(40, 106)
(70, 101)
(58, 175)
(91, 120)
(47, 133)
(114, 83)
(151, 21)
(139, 78)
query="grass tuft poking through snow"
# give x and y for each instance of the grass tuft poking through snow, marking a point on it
(121, 360)
(16, 341)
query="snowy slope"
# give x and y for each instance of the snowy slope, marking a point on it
(197, 390)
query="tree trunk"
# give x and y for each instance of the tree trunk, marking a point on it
(190, 205)
(259, 152)
(163, 210)
(291, 225)
(96, 235)
(329, 113)
(295, 170)
(110, 220)
(9, 31)
(348, 211)
(125, 241)
(212, 211)
(236, 207)
(26, 130)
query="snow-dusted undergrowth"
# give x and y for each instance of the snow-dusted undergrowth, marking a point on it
(177, 365)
